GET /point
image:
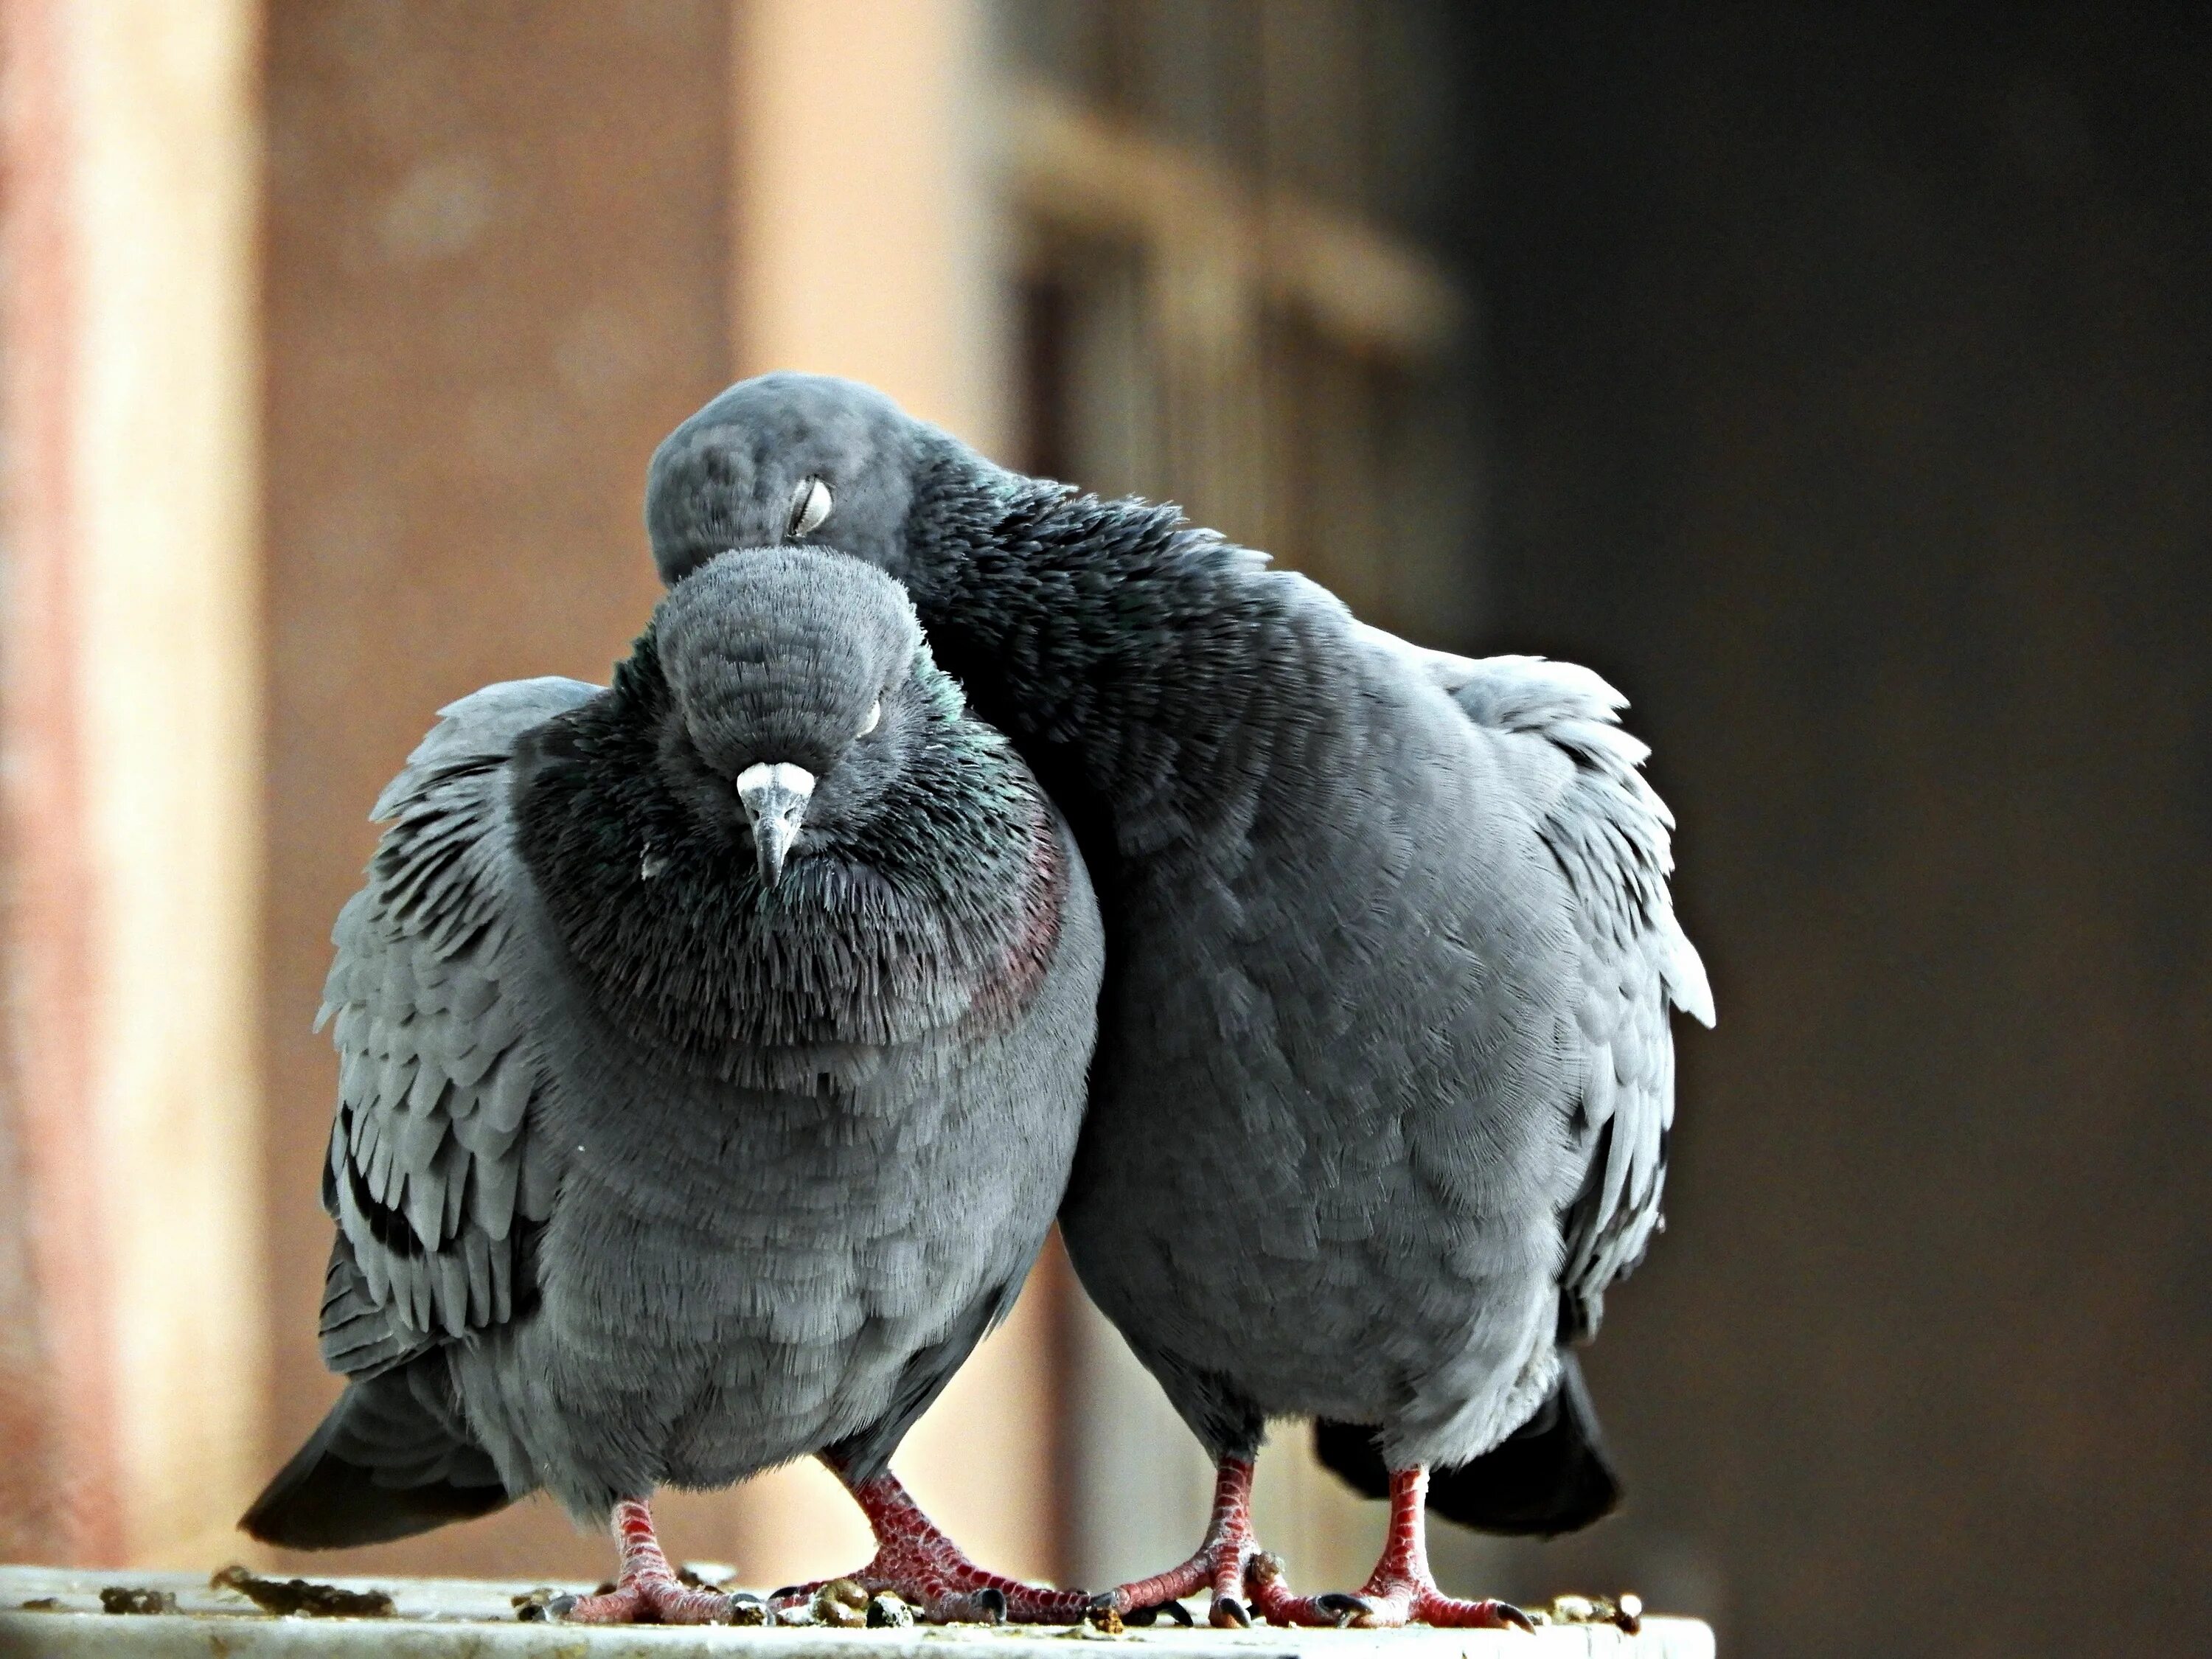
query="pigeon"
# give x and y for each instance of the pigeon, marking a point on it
(713, 1048)
(1385, 1070)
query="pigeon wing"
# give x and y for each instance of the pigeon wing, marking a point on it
(1610, 835)
(433, 1179)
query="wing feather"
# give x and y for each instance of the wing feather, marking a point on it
(1611, 837)
(433, 1179)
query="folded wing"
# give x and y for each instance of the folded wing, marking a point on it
(1610, 835)
(434, 1178)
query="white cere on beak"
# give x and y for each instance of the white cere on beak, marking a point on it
(810, 505)
(875, 718)
(760, 778)
(775, 797)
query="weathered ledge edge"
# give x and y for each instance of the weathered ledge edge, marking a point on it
(461, 1619)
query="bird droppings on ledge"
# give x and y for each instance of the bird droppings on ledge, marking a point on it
(887, 1612)
(303, 1596)
(841, 1604)
(56, 1613)
(1624, 1611)
(128, 1598)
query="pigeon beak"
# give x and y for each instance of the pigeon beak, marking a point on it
(774, 798)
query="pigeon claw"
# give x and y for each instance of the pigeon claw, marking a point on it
(1345, 1607)
(1141, 1617)
(1272, 1600)
(987, 1606)
(1423, 1604)
(1228, 1613)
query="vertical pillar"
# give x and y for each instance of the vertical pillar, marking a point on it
(863, 234)
(132, 733)
(865, 245)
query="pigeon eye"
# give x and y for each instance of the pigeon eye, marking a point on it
(875, 715)
(810, 506)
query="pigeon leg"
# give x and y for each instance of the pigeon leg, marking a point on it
(647, 1592)
(1402, 1590)
(919, 1563)
(1218, 1566)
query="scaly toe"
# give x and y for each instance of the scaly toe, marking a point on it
(1035, 1604)
(1272, 1599)
(1449, 1612)
(1331, 1613)
(1162, 1590)
(650, 1602)
(944, 1588)
(619, 1606)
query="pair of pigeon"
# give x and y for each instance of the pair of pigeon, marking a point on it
(717, 1047)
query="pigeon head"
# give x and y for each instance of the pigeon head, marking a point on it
(781, 828)
(803, 459)
(793, 703)
(781, 460)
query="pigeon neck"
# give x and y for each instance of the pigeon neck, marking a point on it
(1117, 644)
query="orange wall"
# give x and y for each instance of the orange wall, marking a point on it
(496, 274)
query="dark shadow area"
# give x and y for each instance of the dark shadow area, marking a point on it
(1851, 380)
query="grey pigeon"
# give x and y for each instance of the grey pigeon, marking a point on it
(713, 1050)
(1385, 1070)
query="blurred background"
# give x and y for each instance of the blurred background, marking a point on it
(1835, 378)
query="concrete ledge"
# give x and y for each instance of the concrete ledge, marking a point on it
(457, 1618)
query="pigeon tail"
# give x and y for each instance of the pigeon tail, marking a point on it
(1550, 1475)
(384, 1464)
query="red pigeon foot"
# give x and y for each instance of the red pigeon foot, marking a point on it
(916, 1561)
(1400, 1591)
(1219, 1565)
(647, 1592)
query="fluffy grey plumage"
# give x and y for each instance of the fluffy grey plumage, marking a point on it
(658, 1160)
(1385, 1072)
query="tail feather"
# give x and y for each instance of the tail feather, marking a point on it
(385, 1463)
(1550, 1475)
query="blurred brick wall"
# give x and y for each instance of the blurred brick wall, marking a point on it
(34, 264)
(496, 274)
(28, 1496)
